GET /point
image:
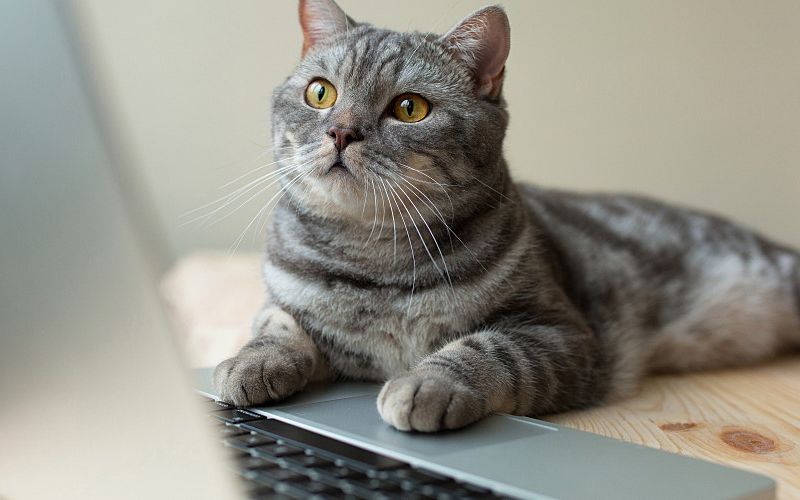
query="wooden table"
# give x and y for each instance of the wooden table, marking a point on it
(747, 418)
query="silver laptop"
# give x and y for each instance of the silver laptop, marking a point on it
(96, 404)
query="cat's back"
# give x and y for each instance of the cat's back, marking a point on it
(641, 231)
(648, 258)
(676, 275)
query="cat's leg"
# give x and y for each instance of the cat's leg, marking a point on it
(525, 370)
(278, 362)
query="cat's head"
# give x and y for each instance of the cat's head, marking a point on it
(373, 119)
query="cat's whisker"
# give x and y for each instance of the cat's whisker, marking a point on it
(419, 233)
(439, 20)
(434, 181)
(238, 191)
(263, 220)
(248, 200)
(261, 211)
(293, 158)
(374, 211)
(383, 218)
(268, 174)
(260, 167)
(269, 149)
(411, 181)
(269, 214)
(439, 184)
(266, 219)
(410, 246)
(232, 199)
(394, 224)
(493, 189)
(432, 205)
(446, 274)
(364, 208)
(420, 44)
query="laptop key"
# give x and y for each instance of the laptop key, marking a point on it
(306, 489)
(248, 441)
(236, 454)
(372, 484)
(302, 464)
(278, 450)
(271, 476)
(307, 461)
(325, 446)
(231, 431)
(252, 462)
(411, 479)
(236, 416)
(212, 405)
(286, 475)
(267, 493)
(318, 488)
(339, 472)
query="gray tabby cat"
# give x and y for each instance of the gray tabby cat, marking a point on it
(403, 252)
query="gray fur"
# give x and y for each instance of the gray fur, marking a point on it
(427, 267)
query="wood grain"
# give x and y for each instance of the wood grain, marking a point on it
(747, 418)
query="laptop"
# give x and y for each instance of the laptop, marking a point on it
(97, 404)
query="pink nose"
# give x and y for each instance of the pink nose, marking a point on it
(342, 137)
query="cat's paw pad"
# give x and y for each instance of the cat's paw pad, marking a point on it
(429, 403)
(257, 377)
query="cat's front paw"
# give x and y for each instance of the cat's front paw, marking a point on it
(429, 402)
(259, 376)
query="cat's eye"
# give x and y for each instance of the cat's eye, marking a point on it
(320, 94)
(410, 108)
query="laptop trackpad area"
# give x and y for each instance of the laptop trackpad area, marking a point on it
(356, 419)
(516, 455)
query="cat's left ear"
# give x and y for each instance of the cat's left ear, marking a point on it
(482, 41)
(321, 19)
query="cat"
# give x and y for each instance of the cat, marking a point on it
(402, 251)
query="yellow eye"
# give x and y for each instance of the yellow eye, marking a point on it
(320, 94)
(410, 108)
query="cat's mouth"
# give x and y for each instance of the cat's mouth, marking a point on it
(338, 168)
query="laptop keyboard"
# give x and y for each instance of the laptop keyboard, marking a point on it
(277, 460)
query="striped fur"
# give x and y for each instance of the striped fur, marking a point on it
(425, 266)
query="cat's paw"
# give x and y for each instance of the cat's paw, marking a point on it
(428, 402)
(258, 376)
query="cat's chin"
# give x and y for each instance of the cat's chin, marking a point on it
(335, 192)
(339, 168)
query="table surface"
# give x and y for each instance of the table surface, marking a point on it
(747, 418)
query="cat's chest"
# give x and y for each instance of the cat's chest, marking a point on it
(378, 327)
(394, 342)
(366, 332)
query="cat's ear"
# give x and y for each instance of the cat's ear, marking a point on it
(482, 40)
(321, 19)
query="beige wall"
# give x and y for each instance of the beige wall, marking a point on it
(694, 102)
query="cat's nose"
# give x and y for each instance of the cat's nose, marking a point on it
(342, 137)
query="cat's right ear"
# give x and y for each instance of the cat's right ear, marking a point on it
(321, 19)
(482, 41)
